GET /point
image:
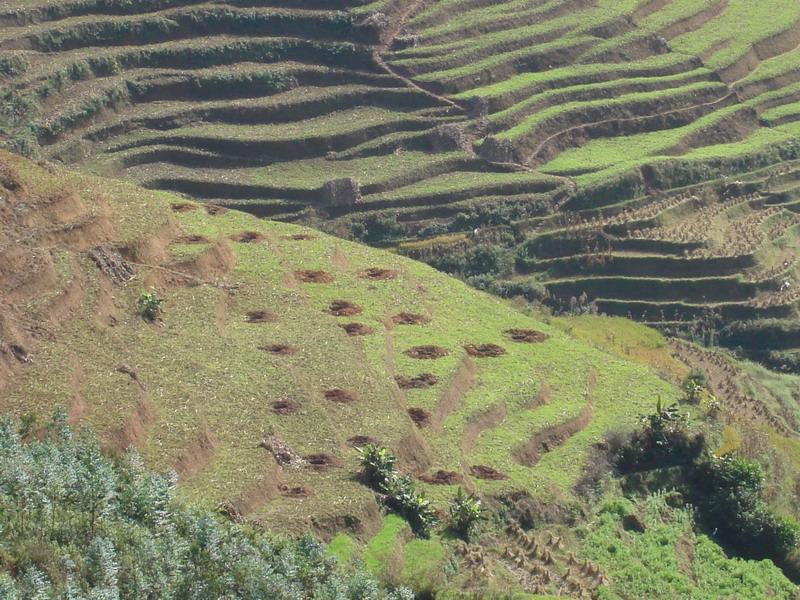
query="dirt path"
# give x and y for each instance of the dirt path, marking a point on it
(462, 382)
(397, 23)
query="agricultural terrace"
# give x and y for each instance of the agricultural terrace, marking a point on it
(638, 153)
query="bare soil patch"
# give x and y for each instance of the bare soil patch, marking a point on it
(344, 308)
(427, 352)
(182, 207)
(215, 209)
(321, 462)
(314, 276)
(359, 441)
(339, 395)
(405, 318)
(285, 407)
(261, 316)
(247, 237)
(298, 491)
(423, 380)
(420, 416)
(280, 349)
(442, 478)
(488, 473)
(299, 237)
(191, 239)
(356, 329)
(484, 350)
(528, 336)
(377, 274)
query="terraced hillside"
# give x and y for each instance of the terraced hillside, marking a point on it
(280, 350)
(643, 152)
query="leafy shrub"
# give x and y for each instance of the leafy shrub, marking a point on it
(150, 305)
(77, 524)
(465, 511)
(693, 386)
(664, 440)
(378, 465)
(377, 229)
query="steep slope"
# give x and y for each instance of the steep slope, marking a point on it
(281, 349)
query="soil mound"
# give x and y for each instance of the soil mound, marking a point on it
(488, 473)
(442, 478)
(321, 462)
(182, 207)
(356, 329)
(420, 416)
(285, 407)
(280, 349)
(405, 318)
(484, 350)
(376, 274)
(359, 441)
(261, 316)
(423, 380)
(215, 210)
(529, 336)
(427, 352)
(313, 276)
(298, 237)
(191, 239)
(344, 308)
(247, 237)
(298, 491)
(339, 395)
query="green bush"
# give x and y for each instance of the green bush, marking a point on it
(150, 305)
(465, 511)
(77, 524)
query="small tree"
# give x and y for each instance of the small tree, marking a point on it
(694, 386)
(465, 511)
(150, 305)
(378, 464)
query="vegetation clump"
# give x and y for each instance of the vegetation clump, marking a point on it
(78, 524)
(465, 511)
(150, 305)
(380, 472)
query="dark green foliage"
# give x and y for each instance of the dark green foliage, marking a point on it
(728, 493)
(693, 385)
(379, 470)
(377, 229)
(77, 524)
(481, 259)
(465, 511)
(664, 440)
(150, 305)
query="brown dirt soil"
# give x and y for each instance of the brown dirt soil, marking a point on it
(280, 349)
(182, 207)
(339, 395)
(442, 478)
(405, 318)
(215, 210)
(463, 381)
(344, 308)
(312, 276)
(484, 350)
(261, 316)
(377, 274)
(427, 352)
(299, 491)
(212, 263)
(321, 462)
(247, 237)
(529, 336)
(549, 439)
(423, 380)
(356, 329)
(298, 237)
(191, 239)
(359, 441)
(478, 423)
(420, 416)
(136, 426)
(197, 455)
(284, 407)
(488, 473)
